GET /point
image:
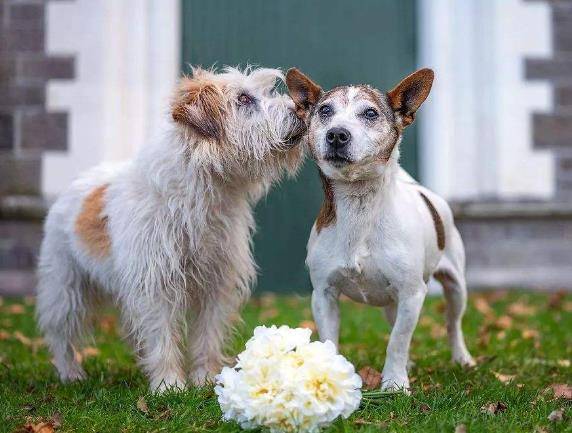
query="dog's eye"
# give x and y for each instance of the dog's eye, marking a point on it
(245, 99)
(370, 114)
(325, 110)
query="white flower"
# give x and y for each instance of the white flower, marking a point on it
(286, 383)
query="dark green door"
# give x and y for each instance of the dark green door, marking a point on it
(335, 42)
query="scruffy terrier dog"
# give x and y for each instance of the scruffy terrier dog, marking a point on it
(379, 235)
(167, 235)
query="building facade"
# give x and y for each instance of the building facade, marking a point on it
(84, 81)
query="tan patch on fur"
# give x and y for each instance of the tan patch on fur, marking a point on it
(437, 221)
(200, 104)
(327, 214)
(91, 225)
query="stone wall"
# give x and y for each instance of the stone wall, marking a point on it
(554, 130)
(27, 128)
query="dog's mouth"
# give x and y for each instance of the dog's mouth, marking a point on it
(337, 159)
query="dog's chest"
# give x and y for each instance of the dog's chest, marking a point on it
(357, 272)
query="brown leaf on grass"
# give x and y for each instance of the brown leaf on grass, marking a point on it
(562, 390)
(424, 407)
(426, 321)
(48, 426)
(529, 334)
(563, 362)
(268, 300)
(142, 405)
(86, 352)
(494, 408)
(483, 306)
(461, 428)
(268, 313)
(504, 378)
(308, 324)
(108, 324)
(556, 415)
(41, 427)
(26, 341)
(521, 309)
(4, 335)
(438, 331)
(370, 377)
(15, 309)
(503, 322)
(556, 300)
(567, 306)
(30, 300)
(484, 336)
(361, 421)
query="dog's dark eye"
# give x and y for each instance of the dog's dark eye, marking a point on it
(370, 114)
(325, 110)
(245, 99)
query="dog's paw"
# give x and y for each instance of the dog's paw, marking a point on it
(169, 383)
(396, 384)
(202, 377)
(464, 359)
(73, 374)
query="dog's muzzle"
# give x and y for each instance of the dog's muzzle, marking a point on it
(337, 144)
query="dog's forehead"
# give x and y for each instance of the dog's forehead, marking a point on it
(355, 95)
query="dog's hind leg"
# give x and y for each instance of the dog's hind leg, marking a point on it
(451, 274)
(62, 305)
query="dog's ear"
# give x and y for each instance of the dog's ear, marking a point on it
(199, 104)
(408, 95)
(303, 91)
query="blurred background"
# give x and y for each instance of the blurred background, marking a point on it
(88, 81)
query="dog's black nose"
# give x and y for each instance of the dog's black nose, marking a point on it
(338, 137)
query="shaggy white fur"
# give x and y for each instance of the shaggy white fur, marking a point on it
(167, 235)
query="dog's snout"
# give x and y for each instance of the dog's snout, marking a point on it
(338, 137)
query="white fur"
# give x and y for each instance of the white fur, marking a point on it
(382, 248)
(180, 220)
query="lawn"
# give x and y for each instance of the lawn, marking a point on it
(522, 341)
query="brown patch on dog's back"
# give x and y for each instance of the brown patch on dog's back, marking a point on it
(327, 214)
(437, 221)
(91, 224)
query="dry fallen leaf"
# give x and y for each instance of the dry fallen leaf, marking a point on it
(16, 309)
(556, 415)
(26, 341)
(555, 300)
(504, 378)
(483, 307)
(268, 313)
(494, 408)
(529, 334)
(563, 363)
(4, 335)
(108, 324)
(503, 322)
(29, 300)
(461, 428)
(142, 405)
(309, 324)
(89, 352)
(42, 427)
(562, 390)
(370, 377)
(521, 309)
(268, 300)
(438, 331)
(424, 407)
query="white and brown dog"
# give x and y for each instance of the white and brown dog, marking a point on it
(379, 235)
(167, 235)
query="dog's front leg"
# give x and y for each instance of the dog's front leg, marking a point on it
(210, 327)
(395, 368)
(326, 312)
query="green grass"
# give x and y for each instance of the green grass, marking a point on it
(532, 341)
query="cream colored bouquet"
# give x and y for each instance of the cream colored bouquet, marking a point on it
(286, 383)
